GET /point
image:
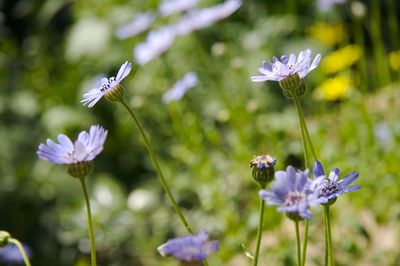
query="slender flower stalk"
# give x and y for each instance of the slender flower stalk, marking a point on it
(158, 168)
(299, 261)
(262, 172)
(5, 239)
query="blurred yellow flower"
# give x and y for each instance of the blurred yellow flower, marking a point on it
(394, 60)
(333, 89)
(326, 33)
(341, 59)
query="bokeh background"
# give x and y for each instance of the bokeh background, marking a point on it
(51, 52)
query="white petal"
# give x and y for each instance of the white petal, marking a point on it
(123, 71)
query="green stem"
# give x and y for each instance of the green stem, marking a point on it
(158, 169)
(329, 251)
(90, 224)
(259, 231)
(21, 250)
(298, 243)
(305, 240)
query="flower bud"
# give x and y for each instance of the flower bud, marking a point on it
(4, 237)
(293, 86)
(115, 94)
(80, 169)
(263, 169)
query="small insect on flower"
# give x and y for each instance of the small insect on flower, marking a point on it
(110, 88)
(190, 247)
(330, 187)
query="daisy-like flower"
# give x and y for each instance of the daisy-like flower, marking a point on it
(85, 148)
(181, 87)
(139, 24)
(277, 70)
(293, 192)
(110, 88)
(189, 248)
(170, 7)
(331, 188)
(157, 43)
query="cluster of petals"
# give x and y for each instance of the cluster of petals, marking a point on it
(279, 69)
(189, 247)
(139, 24)
(293, 192)
(85, 148)
(107, 84)
(179, 89)
(170, 7)
(330, 187)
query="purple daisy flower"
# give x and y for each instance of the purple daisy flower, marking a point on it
(85, 148)
(332, 188)
(189, 247)
(293, 192)
(277, 70)
(107, 85)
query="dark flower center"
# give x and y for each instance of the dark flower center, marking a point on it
(107, 86)
(294, 197)
(329, 188)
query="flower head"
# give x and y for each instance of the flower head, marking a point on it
(279, 69)
(110, 88)
(85, 148)
(189, 247)
(330, 187)
(180, 87)
(263, 169)
(293, 192)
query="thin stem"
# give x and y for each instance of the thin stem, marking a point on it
(305, 240)
(158, 169)
(259, 231)
(298, 243)
(329, 257)
(90, 224)
(21, 250)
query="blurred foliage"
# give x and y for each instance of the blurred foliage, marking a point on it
(51, 52)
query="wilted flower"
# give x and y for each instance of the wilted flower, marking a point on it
(169, 7)
(110, 88)
(10, 254)
(139, 24)
(293, 192)
(181, 87)
(157, 43)
(332, 188)
(202, 18)
(263, 169)
(189, 247)
(85, 148)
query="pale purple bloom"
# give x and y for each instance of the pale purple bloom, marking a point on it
(279, 69)
(85, 148)
(181, 87)
(169, 7)
(189, 247)
(326, 5)
(157, 43)
(139, 24)
(202, 18)
(332, 188)
(94, 95)
(293, 192)
(10, 254)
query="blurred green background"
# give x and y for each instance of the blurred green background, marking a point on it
(52, 51)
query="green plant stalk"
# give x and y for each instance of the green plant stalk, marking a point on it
(298, 243)
(21, 250)
(259, 232)
(329, 256)
(158, 169)
(90, 224)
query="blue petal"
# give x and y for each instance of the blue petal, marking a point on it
(318, 169)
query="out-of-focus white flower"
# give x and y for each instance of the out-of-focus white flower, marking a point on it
(326, 5)
(157, 42)
(169, 7)
(202, 18)
(139, 24)
(181, 87)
